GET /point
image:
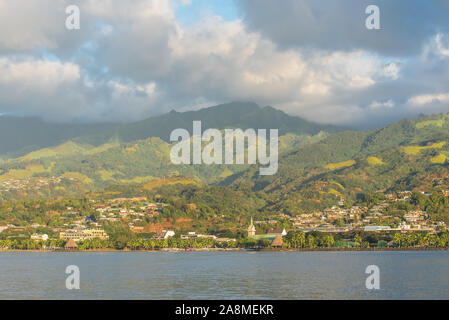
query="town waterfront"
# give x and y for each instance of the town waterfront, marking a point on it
(225, 275)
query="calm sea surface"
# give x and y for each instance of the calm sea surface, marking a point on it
(225, 275)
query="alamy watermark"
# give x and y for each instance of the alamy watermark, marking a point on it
(72, 22)
(372, 22)
(190, 150)
(373, 280)
(73, 280)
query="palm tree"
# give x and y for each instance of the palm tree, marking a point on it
(358, 240)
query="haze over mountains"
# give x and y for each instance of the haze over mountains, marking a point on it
(20, 135)
(317, 164)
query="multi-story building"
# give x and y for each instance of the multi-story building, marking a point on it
(164, 235)
(80, 235)
(194, 235)
(39, 237)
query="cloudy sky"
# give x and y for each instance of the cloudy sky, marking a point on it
(132, 59)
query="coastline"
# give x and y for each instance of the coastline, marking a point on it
(230, 250)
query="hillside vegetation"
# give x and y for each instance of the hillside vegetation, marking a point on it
(316, 167)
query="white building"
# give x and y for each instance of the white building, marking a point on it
(404, 226)
(164, 235)
(39, 237)
(81, 235)
(193, 235)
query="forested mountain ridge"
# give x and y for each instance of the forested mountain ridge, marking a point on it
(241, 115)
(407, 155)
(92, 162)
(315, 170)
(21, 135)
(135, 162)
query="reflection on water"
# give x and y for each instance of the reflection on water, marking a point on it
(225, 275)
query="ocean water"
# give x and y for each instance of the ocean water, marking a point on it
(225, 275)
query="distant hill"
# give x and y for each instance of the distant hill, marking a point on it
(139, 152)
(242, 115)
(316, 168)
(21, 135)
(406, 155)
(95, 167)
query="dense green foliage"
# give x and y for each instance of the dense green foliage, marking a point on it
(316, 170)
(20, 135)
(293, 240)
(408, 155)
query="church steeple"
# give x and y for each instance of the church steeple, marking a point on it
(251, 229)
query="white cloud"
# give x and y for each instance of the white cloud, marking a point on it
(229, 63)
(29, 24)
(132, 59)
(122, 89)
(424, 99)
(329, 113)
(37, 75)
(129, 9)
(442, 44)
(438, 47)
(391, 70)
(41, 87)
(340, 25)
(63, 91)
(386, 104)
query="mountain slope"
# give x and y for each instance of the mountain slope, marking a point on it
(21, 135)
(241, 115)
(407, 155)
(118, 163)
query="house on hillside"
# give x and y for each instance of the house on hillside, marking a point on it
(163, 235)
(376, 228)
(39, 237)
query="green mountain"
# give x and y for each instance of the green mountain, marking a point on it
(20, 135)
(316, 167)
(137, 162)
(241, 115)
(407, 155)
(93, 162)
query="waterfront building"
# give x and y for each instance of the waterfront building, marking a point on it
(277, 242)
(39, 237)
(377, 228)
(80, 235)
(193, 235)
(163, 235)
(275, 232)
(71, 245)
